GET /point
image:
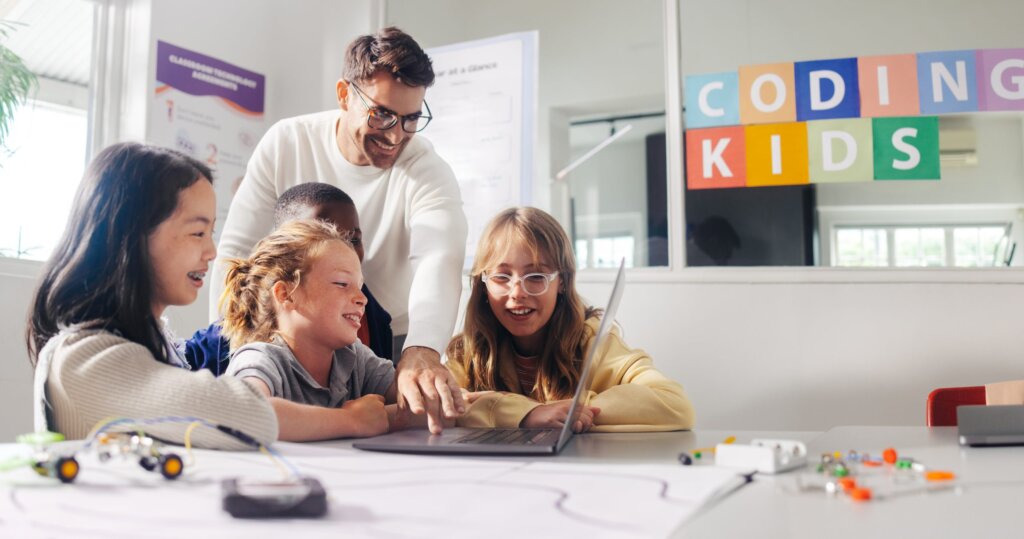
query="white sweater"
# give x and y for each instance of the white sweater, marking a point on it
(94, 375)
(414, 227)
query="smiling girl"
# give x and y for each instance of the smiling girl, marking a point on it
(139, 239)
(292, 311)
(526, 333)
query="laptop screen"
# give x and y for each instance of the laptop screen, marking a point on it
(583, 387)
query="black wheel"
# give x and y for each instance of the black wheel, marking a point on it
(148, 463)
(171, 466)
(66, 469)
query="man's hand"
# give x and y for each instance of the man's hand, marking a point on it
(426, 386)
(554, 415)
(366, 416)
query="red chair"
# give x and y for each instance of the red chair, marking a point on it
(942, 403)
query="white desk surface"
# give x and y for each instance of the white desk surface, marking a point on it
(985, 502)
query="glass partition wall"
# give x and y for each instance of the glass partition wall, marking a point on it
(897, 139)
(603, 162)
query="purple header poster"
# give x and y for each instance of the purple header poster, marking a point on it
(209, 109)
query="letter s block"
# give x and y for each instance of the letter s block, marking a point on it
(906, 148)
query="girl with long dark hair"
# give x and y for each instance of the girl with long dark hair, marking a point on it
(139, 239)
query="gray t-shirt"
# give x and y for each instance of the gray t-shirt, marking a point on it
(356, 372)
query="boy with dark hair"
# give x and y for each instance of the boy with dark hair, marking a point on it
(208, 349)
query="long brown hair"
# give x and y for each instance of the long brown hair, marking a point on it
(483, 336)
(100, 274)
(285, 255)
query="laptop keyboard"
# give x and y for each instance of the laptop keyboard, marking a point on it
(504, 437)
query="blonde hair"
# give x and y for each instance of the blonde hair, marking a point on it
(284, 256)
(476, 348)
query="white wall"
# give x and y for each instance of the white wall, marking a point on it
(810, 355)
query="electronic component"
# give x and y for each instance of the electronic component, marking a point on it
(301, 497)
(766, 456)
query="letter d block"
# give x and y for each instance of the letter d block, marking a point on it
(840, 150)
(906, 148)
(777, 154)
(827, 89)
(715, 158)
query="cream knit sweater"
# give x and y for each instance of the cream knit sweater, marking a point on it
(95, 375)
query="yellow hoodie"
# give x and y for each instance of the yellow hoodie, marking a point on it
(632, 395)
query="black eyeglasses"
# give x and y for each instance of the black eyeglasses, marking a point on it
(383, 119)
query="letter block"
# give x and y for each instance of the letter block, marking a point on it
(840, 150)
(777, 154)
(947, 82)
(906, 148)
(827, 89)
(716, 158)
(1000, 79)
(712, 100)
(766, 94)
(888, 85)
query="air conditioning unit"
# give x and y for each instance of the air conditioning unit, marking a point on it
(958, 147)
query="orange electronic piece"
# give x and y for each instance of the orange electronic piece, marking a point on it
(939, 475)
(871, 463)
(847, 483)
(889, 455)
(860, 494)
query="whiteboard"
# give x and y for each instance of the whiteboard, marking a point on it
(484, 104)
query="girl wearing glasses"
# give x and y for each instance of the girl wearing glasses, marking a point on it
(525, 335)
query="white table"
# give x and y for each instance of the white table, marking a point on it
(986, 501)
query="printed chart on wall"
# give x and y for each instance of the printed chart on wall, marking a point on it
(484, 103)
(208, 109)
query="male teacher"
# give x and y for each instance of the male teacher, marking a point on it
(410, 208)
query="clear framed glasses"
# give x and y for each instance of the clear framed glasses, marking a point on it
(533, 284)
(383, 119)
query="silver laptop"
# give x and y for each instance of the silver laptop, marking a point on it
(505, 441)
(991, 425)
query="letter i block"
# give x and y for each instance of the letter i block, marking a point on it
(767, 94)
(840, 150)
(777, 154)
(888, 86)
(906, 148)
(712, 100)
(1001, 79)
(715, 158)
(827, 89)
(947, 82)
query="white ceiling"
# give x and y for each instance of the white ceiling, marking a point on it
(55, 41)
